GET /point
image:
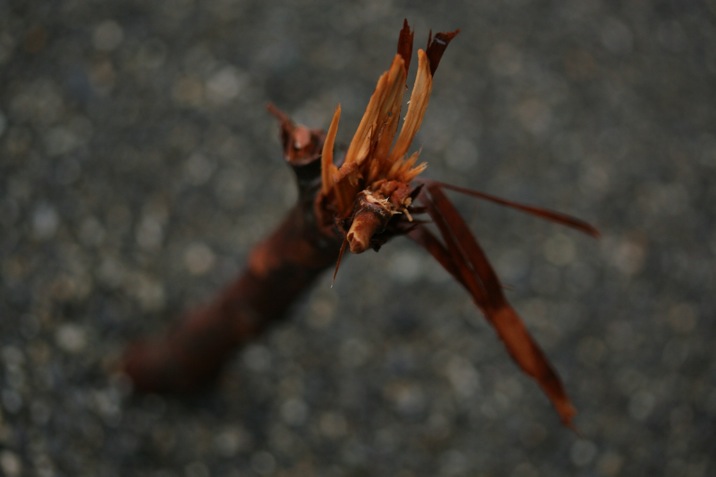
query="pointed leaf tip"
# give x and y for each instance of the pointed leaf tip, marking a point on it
(437, 46)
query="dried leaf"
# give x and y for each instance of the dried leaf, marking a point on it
(461, 255)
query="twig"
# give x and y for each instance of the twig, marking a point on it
(374, 195)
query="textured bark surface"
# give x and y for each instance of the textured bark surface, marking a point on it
(279, 270)
(191, 355)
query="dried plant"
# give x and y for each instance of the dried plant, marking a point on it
(375, 194)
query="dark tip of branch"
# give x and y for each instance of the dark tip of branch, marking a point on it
(338, 261)
(437, 46)
(405, 43)
(277, 113)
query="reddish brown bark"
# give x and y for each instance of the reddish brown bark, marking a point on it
(359, 203)
(279, 269)
(307, 242)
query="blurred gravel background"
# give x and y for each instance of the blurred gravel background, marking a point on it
(138, 166)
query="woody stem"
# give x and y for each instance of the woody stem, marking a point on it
(279, 270)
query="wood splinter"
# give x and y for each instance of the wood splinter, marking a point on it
(373, 196)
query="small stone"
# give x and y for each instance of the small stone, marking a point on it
(11, 401)
(150, 233)
(257, 358)
(107, 36)
(333, 425)
(405, 266)
(560, 250)
(294, 411)
(198, 169)
(230, 441)
(71, 338)
(263, 463)
(10, 463)
(225, 84)
(196, 469)
(199, 258)
(45, 222)
(583, 452)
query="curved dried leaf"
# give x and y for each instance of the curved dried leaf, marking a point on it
(462, 256)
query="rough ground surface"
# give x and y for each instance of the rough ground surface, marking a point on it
(138, 166)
